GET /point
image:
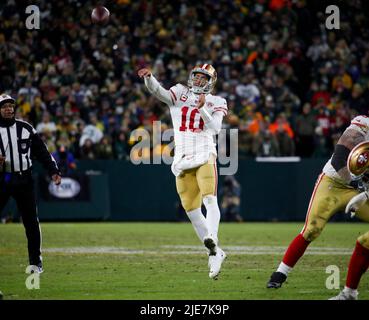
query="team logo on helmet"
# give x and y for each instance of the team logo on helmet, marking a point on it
(358, 159)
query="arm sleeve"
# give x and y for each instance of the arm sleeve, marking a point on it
(339, 158)
(39, 151)
(155, 88)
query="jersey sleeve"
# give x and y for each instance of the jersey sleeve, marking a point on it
(220, 106)
(176, 93)
(213, 112)
(360, 123)
(41, 153)
(158, 90)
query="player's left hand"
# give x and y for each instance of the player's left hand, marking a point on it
(356, 202)
(201, 101)
(56, 178)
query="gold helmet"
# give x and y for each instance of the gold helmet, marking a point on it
(358, 159)
(209, 71)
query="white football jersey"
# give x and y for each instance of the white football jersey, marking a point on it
(191, 134)
(360, 124)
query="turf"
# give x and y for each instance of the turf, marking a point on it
(164, 261)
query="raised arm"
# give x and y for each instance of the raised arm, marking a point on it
(155, 87)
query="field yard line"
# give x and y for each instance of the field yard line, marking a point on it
(180, 250)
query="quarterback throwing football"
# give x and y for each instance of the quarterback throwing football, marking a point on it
(336, 190)
(197, 117)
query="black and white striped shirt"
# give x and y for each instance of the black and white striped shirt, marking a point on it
(20, 144)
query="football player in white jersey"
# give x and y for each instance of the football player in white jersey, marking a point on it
(197, 117)
(335, 189)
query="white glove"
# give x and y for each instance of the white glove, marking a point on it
(356, 202)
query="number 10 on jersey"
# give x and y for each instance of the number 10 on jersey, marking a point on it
(190, 120)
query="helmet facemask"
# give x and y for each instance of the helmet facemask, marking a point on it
(202, 88)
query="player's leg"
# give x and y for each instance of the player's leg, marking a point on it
(328, 197)
(207, 180)
(359, 261)
(189, 194)
(4, 196)
(24, 196)
(358, 265)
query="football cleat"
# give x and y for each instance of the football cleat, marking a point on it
(344, 295)
(276, 280)
(215, 263)
(210, 243)
(36, 268)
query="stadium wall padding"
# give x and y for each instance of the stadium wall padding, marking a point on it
(271, 191)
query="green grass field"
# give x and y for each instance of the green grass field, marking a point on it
(166, 261)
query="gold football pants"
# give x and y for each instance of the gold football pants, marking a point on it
(194, 184)
(329, 197)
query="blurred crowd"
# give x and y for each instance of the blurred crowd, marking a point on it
(292, 86)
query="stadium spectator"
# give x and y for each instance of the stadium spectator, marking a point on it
(91, 132)
(65, 161)
(104, 149)
(120, 147)
(230, 195)
(46, 125)
(266, 145)
(88, 151)
(305, 125)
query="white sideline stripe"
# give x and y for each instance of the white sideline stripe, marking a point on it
(277, 159)
(180, 250)
(82, 250)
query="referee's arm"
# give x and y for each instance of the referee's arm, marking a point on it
(39, 152)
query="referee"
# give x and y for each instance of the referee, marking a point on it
(19, 145)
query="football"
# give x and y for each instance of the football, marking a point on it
(100, 15)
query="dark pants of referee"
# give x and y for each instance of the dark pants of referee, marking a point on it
(20, 187)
